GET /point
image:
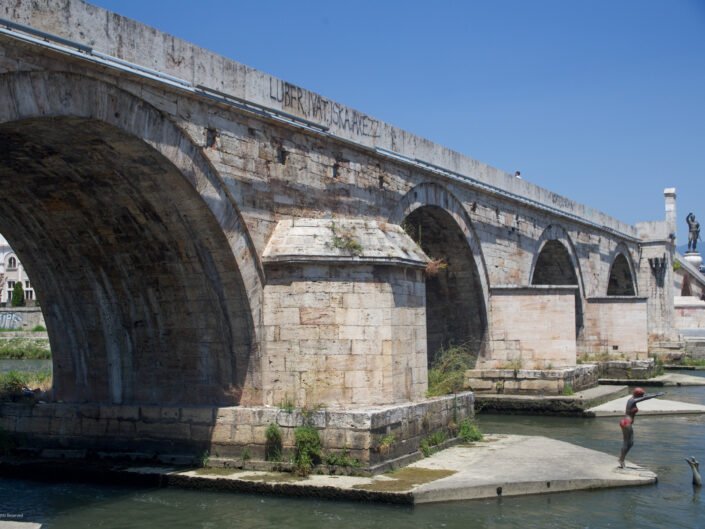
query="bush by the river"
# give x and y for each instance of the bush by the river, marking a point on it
(447, 371)
(25, 349)
(13, 383)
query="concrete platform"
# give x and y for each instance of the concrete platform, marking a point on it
(575, 404)
(501, 467)
(497, 466)
(666, 380)
(19, 525)
(659, 406)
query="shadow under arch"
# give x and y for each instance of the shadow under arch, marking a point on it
(622, 277)
(555, 262)
(457, 296)
(143, 264)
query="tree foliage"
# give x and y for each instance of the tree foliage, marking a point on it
(18, 295)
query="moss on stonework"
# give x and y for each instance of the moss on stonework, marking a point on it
(217, 471)
(273, 477)
(405, 479)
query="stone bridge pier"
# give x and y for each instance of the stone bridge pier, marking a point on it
(217, 250)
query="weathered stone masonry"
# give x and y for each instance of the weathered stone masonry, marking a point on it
(141, 190)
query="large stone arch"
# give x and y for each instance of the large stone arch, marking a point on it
(146, 272)
(458, 296)
(622, 278)
(555, 262)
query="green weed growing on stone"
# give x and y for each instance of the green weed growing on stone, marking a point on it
(287, 405)
(568, 389)
(428, 444)
(308, 449)
(469, 431)
(690, 361)
(345, 241)
(447, 372)
(342, 459)
(388, 440)
(39, 328)
(273, 444)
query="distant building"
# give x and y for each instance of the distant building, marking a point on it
(12, 271)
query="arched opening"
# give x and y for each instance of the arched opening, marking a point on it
(621, 282)
(142, 296)
(555, 267)
(456, 314)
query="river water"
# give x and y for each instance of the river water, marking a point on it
(24, 365)
(661, 444)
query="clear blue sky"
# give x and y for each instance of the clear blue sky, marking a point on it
(602, 101)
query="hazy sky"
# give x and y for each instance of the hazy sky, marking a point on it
(602, 101)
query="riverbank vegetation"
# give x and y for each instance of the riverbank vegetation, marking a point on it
(16, 384)
(446, 374)
(689, 361)
(25, 349)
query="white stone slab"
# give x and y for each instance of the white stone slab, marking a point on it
(658, 406)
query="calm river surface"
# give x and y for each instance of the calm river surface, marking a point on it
(661, 445)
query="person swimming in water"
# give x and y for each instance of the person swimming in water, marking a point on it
(627, 422)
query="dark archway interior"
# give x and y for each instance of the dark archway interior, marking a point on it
(621, 282)
(141, 294)
(455, 307)
(554, 267)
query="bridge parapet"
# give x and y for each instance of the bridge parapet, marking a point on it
(107, 38)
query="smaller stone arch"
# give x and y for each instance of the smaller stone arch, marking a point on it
(621, 280)
(431, 194)
(457, 297)
(555, 261)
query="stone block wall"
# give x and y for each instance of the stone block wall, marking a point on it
(532, 381)
(344, 336)
(532, 328)
(229, 435)
(615, 327)
(689, 313)
(21, 318)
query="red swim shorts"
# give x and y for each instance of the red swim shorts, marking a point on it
(626, 421)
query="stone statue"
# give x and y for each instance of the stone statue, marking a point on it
(627, 421)
(695, 467)
(693, 232)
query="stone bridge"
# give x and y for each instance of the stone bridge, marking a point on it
(201, 233)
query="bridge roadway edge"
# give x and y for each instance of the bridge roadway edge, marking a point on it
(96, 29)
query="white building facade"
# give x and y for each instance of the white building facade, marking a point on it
(11, 272)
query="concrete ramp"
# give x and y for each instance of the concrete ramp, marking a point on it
(659, 406)
(512, 465)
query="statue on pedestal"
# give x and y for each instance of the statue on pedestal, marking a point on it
(693, 232)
